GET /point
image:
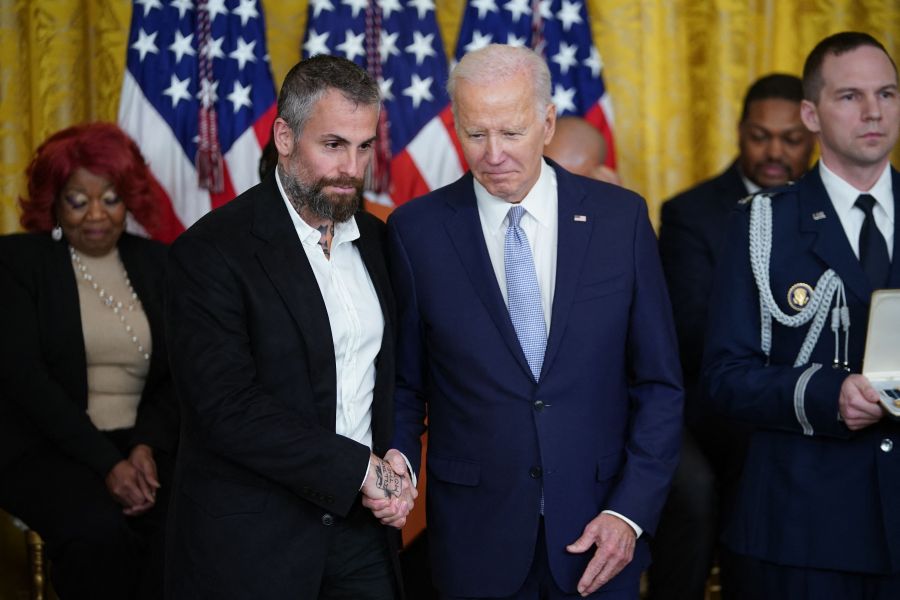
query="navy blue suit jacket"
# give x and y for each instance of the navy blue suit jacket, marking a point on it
(601, 429)
(829, 499)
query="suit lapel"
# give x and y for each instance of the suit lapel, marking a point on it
(464, 229)
(571, 249)
(284, 261)
(63, 287)
(831, 244)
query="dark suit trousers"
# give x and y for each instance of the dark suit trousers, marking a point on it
(359, 565)
(95, 551)
(766, 581)
(540, 585)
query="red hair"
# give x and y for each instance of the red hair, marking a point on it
(101, 148)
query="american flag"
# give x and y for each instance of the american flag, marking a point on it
(182, 56)
(560, 30)
(399, 43)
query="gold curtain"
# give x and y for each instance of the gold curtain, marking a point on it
(677, 71)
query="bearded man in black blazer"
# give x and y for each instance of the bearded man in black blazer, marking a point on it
(280, 317)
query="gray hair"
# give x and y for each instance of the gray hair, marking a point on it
(310, 79)
(497, 62)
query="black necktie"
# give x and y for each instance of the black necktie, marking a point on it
(873, 254)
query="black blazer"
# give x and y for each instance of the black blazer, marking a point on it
(43, 374)
(691, 235)
(261, 472)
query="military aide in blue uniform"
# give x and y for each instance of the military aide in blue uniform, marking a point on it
(818, 510)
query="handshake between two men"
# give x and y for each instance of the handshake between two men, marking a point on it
(388, 490)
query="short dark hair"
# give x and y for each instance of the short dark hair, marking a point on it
(836, 44)
(308, 81)
(775, 85)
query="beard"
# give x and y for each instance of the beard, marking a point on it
(339, 208)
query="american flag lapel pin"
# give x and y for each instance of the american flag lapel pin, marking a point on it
(580, 219)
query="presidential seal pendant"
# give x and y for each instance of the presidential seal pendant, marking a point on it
(798, 295)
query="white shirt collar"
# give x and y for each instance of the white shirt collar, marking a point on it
(843, 195)
(309, 235)
(751, 187)
(536, 202)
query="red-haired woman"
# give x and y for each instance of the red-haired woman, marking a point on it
(88, 418)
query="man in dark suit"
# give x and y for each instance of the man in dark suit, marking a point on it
(817, 510)
(775, 148)
(280, 320)
(536, 331)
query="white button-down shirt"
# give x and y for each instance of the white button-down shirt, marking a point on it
(539, 224)
(843, 198)
(354, 313)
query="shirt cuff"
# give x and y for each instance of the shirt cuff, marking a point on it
(410, 470)
(366, 476)
(637, 530)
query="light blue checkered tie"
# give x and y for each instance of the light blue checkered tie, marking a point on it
(523, 292)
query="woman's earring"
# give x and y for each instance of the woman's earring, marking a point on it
(56, 233)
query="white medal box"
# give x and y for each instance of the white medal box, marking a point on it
(881, 364)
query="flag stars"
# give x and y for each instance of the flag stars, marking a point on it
(565, 58)
(421, 46)
(389, 6)
(387, 45)
(419, 89)
(216, 8)
(320, 5)
(214, 48)
(149, 5)
(246, 11)
(183, 6)
(240, 96)
(352, 46)
(208, 94)
(182, 46)
(315, 43)
(422, 7)
(479, 41)
(384, 86)
(518, 8)
(178, 89)
(484, 7)
(594, 62)
(564, 99)
(146, 43)
(544, 10)
(355, 5)
(515, 42)
(243, 53)
(569, 14)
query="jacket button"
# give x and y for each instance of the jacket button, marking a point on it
(539, 405)
(887, 445)
(327, 520)
(535, 472)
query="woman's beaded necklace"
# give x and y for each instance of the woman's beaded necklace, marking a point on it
(119, 308)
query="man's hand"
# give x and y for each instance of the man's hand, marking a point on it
(858, 403)
(129, 488)
(615, 540)
(388, 491)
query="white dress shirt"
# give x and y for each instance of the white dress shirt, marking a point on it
(354, 314)
(843, 198)
(540, 226)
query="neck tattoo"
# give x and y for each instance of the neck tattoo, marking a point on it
(327, 235)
